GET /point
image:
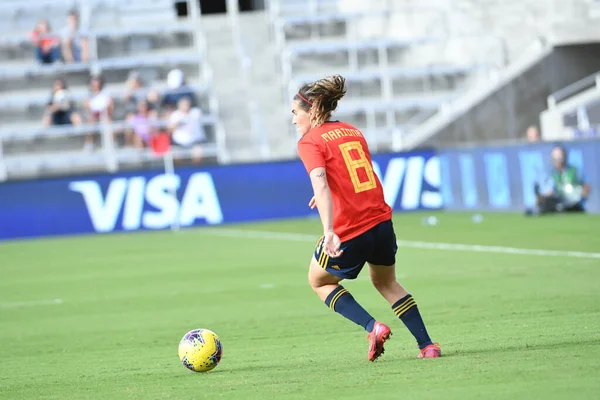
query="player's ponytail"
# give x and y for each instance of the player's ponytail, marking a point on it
(322, 97)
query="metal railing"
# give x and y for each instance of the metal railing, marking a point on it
(386, 74)
(257, 126)
(79, 95)
(53, 132)
(473, 96)
(387, 103)
(108, 152)
(574, 88)
(277, 8)
(575, 100)
(384, 17)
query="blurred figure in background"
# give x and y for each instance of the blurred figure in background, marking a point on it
(99, 102)
(533, 134)
(186, 128)
(144, 123)
(133, 87)
(565, 191)
(177, 89)
(135, 91)
(153, 98)
(99, 106)
(59, 110)
(75, 43)
(47, 44)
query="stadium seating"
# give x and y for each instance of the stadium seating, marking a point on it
(25, 159)
(19, 16)
(365, 40)
(574, 111)
(405, 61)
(400, 60)
(119, 45)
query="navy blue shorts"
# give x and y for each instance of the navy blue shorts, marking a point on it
(377, 246)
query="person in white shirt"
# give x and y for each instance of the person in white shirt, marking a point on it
(75, 43)
(186, 128)
(99, 106)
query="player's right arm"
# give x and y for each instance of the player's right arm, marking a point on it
(314, 162)
(324, 203)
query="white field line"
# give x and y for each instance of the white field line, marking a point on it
(302, 237)
(33, 303)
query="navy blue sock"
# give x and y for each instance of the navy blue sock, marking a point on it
(342, 302)
(406, 309)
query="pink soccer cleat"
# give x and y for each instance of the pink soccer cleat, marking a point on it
(431, 351)
(377, 338)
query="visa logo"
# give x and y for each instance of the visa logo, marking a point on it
(129, 196)
(410, 174)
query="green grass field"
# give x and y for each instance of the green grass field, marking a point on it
(101, 317)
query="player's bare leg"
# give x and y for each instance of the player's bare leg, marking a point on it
(327, 287)
(321, 281)
(404, 306)
(384, 280)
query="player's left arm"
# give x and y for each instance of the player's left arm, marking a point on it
(323, 201)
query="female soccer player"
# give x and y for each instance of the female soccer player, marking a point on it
(357, 225)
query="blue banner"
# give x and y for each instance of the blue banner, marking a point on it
(503, 177)
(139, 200)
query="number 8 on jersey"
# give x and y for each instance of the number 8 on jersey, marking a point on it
(354, 165)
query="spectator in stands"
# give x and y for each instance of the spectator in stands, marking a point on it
(134, 93)
(60, 110)
(133, 86)
(533, 134)
(177, 89)
(99, 102)
(186, 128)
(565, 191)
(75, 43)
(144, 123)
(47, 44)
(153, 98)
(99, 106)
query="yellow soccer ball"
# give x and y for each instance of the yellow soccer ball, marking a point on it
(200, 350)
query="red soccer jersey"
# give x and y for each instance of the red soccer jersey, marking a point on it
(358, 202)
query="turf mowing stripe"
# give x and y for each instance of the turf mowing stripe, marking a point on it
(33, 303)
(302, 237)
(496, 249)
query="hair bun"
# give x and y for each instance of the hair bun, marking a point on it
(324, 95)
